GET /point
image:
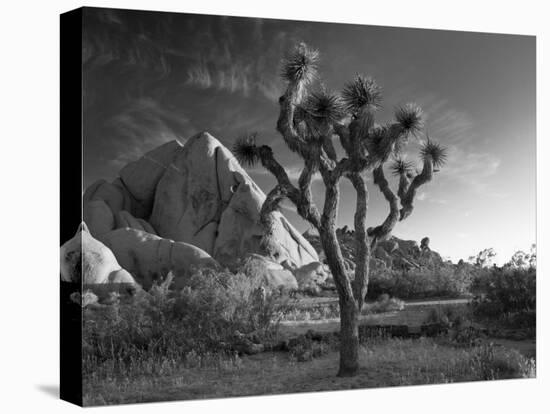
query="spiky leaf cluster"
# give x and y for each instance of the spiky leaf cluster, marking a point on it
(410, 117)
(378, 146)
(300, 65)
(362, 126)
(360, 92)
(245, 150)
(324, 106)
(435, 152)
(401, 167)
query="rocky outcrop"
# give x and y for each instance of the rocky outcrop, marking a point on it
(393, 253)
(140, 177)
(150, 258)
(273, 274)
(125, 219)
(88, 261)
(197, 194)
(310, 277)
(177, 209)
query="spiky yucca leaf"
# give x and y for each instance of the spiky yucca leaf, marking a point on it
(300, 65)
(435, 152)
(360, 92)
(410, 117)
(324, 106)
(245, 150)
(401, 167)
(377, 144)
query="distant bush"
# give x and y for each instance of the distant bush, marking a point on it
(449, 316)
(384, 303)
(507, 295)
(209, 313)
(443, 281)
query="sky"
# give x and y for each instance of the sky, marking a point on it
(150, 78)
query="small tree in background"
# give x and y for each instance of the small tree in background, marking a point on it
(484, 258)
(523, 260)
(309, 118)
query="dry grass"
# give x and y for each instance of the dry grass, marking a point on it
(385, 362)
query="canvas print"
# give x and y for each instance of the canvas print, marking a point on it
(276, 206)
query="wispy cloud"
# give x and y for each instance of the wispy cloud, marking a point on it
(431, 198)
(109, 38)
(470, 168)
(445, 122)
(233, 78)
(225, 64)
(143, 125)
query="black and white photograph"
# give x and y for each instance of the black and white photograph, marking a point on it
(275, 206)
(316, 212)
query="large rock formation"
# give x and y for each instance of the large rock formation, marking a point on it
(273, 274)
(310, 277)
(198, 194)
(182, 207)
(150, 258)
(88, 261)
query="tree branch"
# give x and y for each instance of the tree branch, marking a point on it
(342, 132)
(408, 196)
(328, 148)
(271, 203)
(404, 183)
(302, 197)
(383, 230)
(359, 131)
(269, 162)
(285, 124)
(362, 248)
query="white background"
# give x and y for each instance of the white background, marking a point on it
(29, 217)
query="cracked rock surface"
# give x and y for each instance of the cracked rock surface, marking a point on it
(194, 198)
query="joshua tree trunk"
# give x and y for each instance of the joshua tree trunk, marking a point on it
(349, 338)
(351, 294)
(309, 121)
(349, 306)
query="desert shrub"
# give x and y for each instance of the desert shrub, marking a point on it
(449, 316)
(310, 345)
(507, 295)
(442, 281)
(160, 329)
(384, 303)
(489, 362)
(456, 322)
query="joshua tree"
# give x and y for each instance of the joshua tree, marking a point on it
(308, 121)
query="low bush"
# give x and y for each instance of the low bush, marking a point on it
(489, 362)
(443, 281)
(204, 318)
(449, 316)
(384, 303)
(507, 296)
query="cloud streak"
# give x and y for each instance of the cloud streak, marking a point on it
(473, 169)
(143, 125)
